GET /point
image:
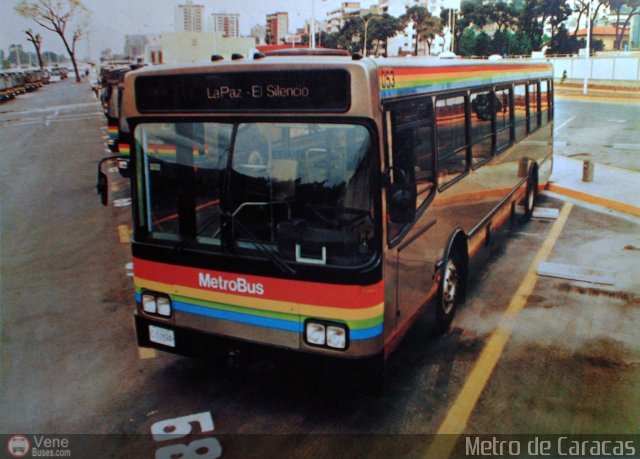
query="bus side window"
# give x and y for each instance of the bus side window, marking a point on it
(483, 106)
(544, 102)
(411, 132)
(452, 139)
(503, 119)
(533, 114)
(520, 109)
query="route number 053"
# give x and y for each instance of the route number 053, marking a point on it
(387, 79)
(171, 429)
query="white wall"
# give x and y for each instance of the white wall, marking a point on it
(625, 68)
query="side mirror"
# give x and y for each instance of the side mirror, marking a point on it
(402, 204)
(103, 188)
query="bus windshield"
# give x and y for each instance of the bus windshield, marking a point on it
(293, 192)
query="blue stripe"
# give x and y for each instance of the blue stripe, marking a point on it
(267, 322)
(365, 333)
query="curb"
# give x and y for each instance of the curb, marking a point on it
(609, 203)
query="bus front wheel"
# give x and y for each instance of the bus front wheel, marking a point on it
(532, 194)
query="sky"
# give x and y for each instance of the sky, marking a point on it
(111, 20)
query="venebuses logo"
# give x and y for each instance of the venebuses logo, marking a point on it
(238, 285)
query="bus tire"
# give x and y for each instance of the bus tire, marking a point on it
(451, 290)
(531, 196)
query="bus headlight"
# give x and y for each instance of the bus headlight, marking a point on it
(336, 337)
(164, 306)
(149, 304)
(326, 334)
(155, 304)
(315, 334)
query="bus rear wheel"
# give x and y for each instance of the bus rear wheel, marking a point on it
(450, 292)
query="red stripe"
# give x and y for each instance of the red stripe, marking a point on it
(312, 293)
(461, 69)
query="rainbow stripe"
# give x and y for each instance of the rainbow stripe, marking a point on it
(113, 132)
(160, 150)
(402, 81)
(279, 304)
(124, 149)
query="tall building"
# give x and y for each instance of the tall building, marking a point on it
(189, 17)
(336, 18)
(226, 25)
(277, 28)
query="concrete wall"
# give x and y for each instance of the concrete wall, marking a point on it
(624, 68)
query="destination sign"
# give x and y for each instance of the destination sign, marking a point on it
(277, 91)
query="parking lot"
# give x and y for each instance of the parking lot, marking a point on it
(546, 342)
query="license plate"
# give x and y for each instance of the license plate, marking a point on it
(162, 336)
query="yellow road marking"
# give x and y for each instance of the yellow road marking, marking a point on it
(458, 416)
(608, 203)
(147, 353)
(124, 234)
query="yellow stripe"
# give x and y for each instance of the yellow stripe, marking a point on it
(124, 234)
(609, 203)
(458, 415)
(263, 304)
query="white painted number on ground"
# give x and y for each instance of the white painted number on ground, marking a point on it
(171, 429)
(180, 427)
(207, 448)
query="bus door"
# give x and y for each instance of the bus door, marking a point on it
(410, 225)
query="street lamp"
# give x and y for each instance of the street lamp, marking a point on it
(366, 26)
(587, 62)
(313, 24)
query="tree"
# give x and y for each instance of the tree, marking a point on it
(582, 8)
(501, 42)
(555, 11)
(467, 42)
(381, 29)
(483, 44)
(36, 39)
(632, 8)
(504, 15)
(351, 32)
(426, 26)
(563, 43)
(521, 43)
(57, 16)
(471, 14)
(530, 26)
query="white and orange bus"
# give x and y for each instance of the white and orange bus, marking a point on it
(321, 204)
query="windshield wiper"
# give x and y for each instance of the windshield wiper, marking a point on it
(273, 257)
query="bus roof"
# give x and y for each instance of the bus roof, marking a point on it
(404, 77)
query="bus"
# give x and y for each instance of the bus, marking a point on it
(321, 204)
(110, 95)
